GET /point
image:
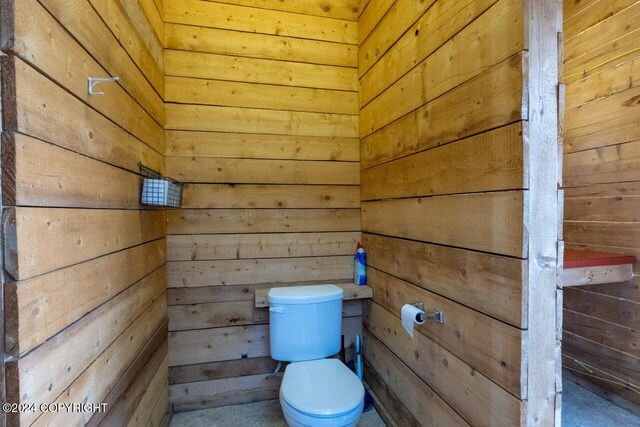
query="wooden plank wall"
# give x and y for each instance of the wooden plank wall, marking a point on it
(459, 208)
(85, 294)
(262, 125)
(602, 188)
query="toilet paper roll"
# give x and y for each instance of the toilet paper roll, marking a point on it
(410, 315)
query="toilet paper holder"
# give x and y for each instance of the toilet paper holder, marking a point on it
(436, 315)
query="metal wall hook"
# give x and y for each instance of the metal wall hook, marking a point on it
(95, 80)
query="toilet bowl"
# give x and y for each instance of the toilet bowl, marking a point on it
(321, 393)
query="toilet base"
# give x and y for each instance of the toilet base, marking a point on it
(298, 419)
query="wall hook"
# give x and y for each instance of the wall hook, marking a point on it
(95, 80)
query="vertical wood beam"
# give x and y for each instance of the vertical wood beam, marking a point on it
(543, 19)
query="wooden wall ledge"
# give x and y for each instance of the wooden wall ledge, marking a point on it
(351, 291)
(591, 268)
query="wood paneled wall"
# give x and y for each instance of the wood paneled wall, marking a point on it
(459, 147)
(602, 188)
(262, 125)
(85, 295)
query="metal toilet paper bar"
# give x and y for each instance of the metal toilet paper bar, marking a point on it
(436, 315)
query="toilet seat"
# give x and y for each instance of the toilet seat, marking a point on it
(323, 388)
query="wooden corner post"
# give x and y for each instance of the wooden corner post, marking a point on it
(540, 344)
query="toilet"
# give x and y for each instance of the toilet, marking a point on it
(306, 328)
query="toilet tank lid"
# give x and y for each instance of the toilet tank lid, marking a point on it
(305, 294)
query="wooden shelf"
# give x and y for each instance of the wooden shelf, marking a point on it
(351, 291)
(591, 268)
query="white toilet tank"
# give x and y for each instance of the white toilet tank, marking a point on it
(305, 322)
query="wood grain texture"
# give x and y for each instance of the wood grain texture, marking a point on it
(47, 371)
(89, 28)
(212, 221)
(253, 120)
(245, 272)
(337, 9)
(38, 308)
(69, 180)
(260, 146)
(36, 34)
(483, 404)
(253, 95)
(72, 228)
(427, 34)
(259, 20)
(211, 40)
(246, 246)
(257, 70)
(492, 99)
(495, 352)
(489, 161)
(262, 125)
(261, 171)
(228, 196)
(487, 283)
(57, 117)
(461, 220)
(352, 293)
(420, 401)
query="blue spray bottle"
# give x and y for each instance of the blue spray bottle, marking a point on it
(360, 266)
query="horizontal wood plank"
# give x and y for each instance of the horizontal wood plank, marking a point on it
(88, 27)
(495, 352)
(257, 70)
(40, 307)
(91, 232)
(490, 100)
(210, 40)
(114, 15)
(443, 19)
(603, 233)
(489, 222)
(209, 294)
(252, 120)
(352, 293)
(210, 221)
(231, 343)
(123, 397)
(614, 310)
(36, 34)
(219, 370)
(95, 382)
(43, 374)
(224, 392)
(391, 26)
(422, 402)
(36, 173)
(259, 21)
(261, 171)
(337, 9)
(246, 246)
(244, 272)
(260, 146)
(605, 333)
(220, 314)
(484, 402)
(444, 69)
(253, 95)
(486, 162)
(488, 283)
(57, 117)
